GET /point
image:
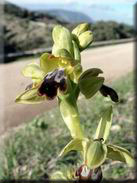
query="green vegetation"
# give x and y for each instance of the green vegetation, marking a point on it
(26, 30)
(111, 30)
(31, 151)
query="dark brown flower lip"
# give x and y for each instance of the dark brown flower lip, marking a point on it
(52, 82)
(94, 175)
(107, 91)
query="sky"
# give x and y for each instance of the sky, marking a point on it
(118, 10)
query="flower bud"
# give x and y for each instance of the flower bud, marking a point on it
(85, 39)
(80, 29)
(62, 38)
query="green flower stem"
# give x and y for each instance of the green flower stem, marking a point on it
(70, 115)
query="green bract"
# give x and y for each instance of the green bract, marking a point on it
(75, 144)
(104, 125)
(70, 115)
(96, 154)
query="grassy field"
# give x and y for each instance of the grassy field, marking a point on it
(32, 151)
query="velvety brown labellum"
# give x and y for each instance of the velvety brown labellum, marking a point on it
(52, 82)
(97, 175)
(105, 91)
(79, 173)
(93, 175)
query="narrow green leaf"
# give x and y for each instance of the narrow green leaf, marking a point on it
(69, 112)
(118, 153)
(75, 144)
(89, 86)
(63, 38)
(30, 96)
(96, 154)
(104, 125)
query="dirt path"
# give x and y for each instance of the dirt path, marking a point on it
(115, 61)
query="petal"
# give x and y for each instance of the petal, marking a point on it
(34, 71)
(30, 96)
(118, 153)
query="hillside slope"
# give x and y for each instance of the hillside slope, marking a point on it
(26, 30)
(69, 16)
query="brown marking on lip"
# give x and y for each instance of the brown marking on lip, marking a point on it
(52, 82)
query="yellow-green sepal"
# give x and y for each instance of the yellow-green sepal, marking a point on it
(91, 72)
(75, 144)
(33, 71)
(96, 154)
(80, 29)
(89, 82)
(62, 38)
(48, 62)
(30, 96)
(90, 86)
(61, 52)
(104, 125)
(118, 153)
(85, 39)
